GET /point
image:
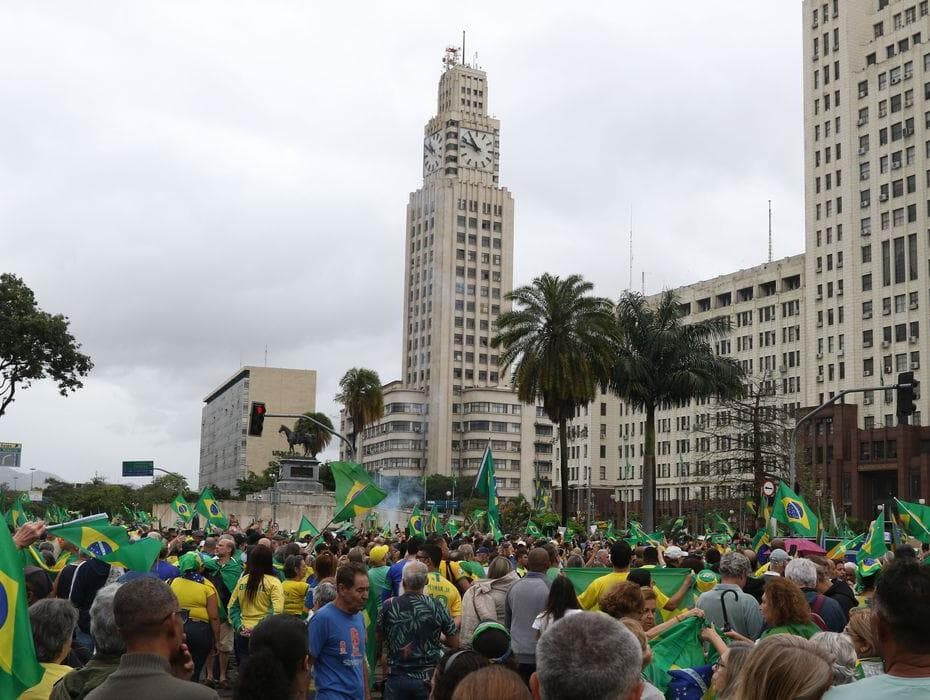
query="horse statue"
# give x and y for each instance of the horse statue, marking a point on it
(295, 438)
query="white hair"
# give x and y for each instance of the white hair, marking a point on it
(840, 647)
(803, 572)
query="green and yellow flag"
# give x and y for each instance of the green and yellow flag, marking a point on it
(64, 559)
(208, 507)
(356, 493)
(110, 543)
(19, 669)
(791, 510)
(533, 529)
(679, 647)
(433, 522)
(840, 548)
(306, 528)
(181, 509)
(761, 538)
(415, 525)
(873, 549)
(16, 517)
(915, 519)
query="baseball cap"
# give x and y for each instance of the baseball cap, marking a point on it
(483, 550)
(779, 555)
(706, 580)
(378, 553)
(674, 552)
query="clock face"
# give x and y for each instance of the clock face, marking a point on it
(432, 153)
(476, 149)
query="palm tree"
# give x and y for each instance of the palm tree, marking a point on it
(660, 359)
(560, 344)
(360, 393)
(320, 437)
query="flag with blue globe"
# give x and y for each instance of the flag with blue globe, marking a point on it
(791, 510)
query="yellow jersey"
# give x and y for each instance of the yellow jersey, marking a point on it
(268, 600)
(599, 586)
(440, 588)
(294, 594)
(192, 596)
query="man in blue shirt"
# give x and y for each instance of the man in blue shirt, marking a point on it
(337, 639)
(396, 572)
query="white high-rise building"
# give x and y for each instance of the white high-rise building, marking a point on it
(453, 397)
(867, 186)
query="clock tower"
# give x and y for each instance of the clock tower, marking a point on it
(453, 397)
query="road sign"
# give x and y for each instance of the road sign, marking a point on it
(10, 454)
(139, 468)
(768, 488)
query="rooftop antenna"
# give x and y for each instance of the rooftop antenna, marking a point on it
(463, 48)
(770, 230)
(644, 283)
(630, 285)
(266, 355)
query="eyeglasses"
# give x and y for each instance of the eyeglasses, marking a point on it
(183, 614)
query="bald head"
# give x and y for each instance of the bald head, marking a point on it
(264, 541)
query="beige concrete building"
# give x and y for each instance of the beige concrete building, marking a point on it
(227, 452)
(453, 396)
(766, 308)
(867, 173)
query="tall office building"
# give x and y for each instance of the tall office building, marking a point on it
(453, 397)
(227, 452)
(867, 170)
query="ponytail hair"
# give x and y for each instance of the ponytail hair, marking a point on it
(278, 648)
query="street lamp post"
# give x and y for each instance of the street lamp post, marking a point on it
(448, 496)
(32, 475)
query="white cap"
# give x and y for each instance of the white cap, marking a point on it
(674, 552)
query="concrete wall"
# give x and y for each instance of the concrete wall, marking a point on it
(319, 510)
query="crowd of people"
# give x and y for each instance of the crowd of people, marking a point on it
(449, 618)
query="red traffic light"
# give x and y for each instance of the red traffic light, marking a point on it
(256, 419)
(260, 409)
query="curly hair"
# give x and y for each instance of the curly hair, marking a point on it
(624, 599)
(785, 603)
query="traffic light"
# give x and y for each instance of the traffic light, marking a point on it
(906, 396)
(257, 418)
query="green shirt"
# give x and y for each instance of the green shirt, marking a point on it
(806, 630)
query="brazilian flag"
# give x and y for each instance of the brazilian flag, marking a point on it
(306, 528)
(356, 493)
(19, 669)
(533, 529)
(181, 509)
(791, 510)
(64, 559)
(452, 527)
(761, 538)
(16, 517)
(868, 559)
(415, 525)
(915, 518)
(110, 543)
(210, 509)
(433, 521)
(839, 550)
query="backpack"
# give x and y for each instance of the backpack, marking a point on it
(816, 607)
(222, 591)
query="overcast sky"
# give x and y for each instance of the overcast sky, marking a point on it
(192, 181)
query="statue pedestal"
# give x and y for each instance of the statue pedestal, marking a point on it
(298, 475)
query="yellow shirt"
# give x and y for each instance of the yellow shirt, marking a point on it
(598, 586)
(43, 689)
(294, 594)
(192, 596)
(268, 600)
(458, 572)
(440, 588)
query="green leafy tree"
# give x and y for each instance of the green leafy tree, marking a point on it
(327, 478)
(559, 343)
(360, 393)
(438, 484)
(515, 514)
(661, 359)
(320, 437)
(35, 344)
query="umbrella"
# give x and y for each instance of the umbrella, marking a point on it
(804, 546)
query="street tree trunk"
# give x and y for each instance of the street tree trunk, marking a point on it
(649, 470)
(563, 469)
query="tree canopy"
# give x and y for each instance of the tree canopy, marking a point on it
(35, 345)
(361, 396)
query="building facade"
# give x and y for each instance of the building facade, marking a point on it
(453, 396)
(698, 458)
(227, 452)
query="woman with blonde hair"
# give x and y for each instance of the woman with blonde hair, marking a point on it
(494, 682)
(859, 630)
(786, 667)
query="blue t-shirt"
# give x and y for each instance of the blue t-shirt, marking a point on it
(337, 645)
(395, 576)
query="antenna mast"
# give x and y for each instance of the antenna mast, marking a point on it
(770, 230)
(463, 47)
(630, 285)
